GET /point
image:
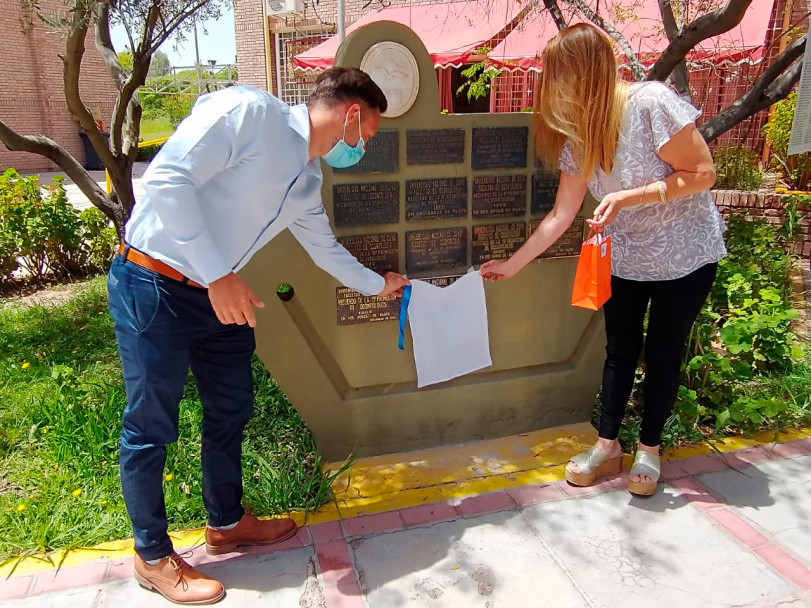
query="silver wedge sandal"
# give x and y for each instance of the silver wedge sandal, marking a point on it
(592, 465)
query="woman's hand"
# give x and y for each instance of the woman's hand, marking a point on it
(606, 212)
(496, 270)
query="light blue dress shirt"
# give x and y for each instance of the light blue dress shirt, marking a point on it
(234, 175)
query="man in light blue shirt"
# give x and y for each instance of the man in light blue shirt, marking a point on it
(240, 169)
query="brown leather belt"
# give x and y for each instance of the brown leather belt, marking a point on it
(150, 263)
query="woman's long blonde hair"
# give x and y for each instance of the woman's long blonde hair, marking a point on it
(579, 97)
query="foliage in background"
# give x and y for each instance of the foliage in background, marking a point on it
(795, 169)
(737, 168)
(147, 153)
(744, 369)
(44, 233)
(178, 107)
(480, 76)
(63, 395)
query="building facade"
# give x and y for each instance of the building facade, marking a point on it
(32, 97)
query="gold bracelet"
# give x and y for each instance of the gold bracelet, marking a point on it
(662, 196)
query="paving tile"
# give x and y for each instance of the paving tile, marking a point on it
(67, 578)
(607, 485)
(335, 563)
(790, 449)
(345, 596)
(491, 502)
(530, 495)
(491, 560)
(653, 551)
(15, 587)
(121, 569)
(428, 514)
(787, 565)
(775, 495)
(326, 532)
(703, 464)
(372, 524)
(739, 527)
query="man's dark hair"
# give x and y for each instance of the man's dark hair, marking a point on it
(338, 85)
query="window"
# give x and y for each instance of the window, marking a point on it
(289, 88)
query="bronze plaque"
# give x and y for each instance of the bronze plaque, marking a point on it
(364, 204)
(499, 196)
(544, 190)
(378, 252)
(435, 146)
(568, 245)
(382, 155)
(354, 308)
(497, 241)
(436, 199)
(441, 249)
(500, 148)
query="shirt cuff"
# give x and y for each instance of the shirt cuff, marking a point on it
(205, 259)
(369, 284)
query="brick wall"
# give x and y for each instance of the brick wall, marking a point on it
(32, 99)
(250, 39)
(767, 205)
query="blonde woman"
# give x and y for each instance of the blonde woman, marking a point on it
(636, 148)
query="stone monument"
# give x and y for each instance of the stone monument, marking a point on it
(434, 195)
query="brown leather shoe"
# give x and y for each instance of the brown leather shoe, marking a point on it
(249, 531)
(178, 582)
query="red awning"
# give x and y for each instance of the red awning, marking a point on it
(451, 32)
(521, 49)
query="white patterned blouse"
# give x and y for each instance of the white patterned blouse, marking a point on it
(654, 241)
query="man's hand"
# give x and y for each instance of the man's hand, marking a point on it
(394, 285)
(233, 300)
(496, 270)
(606, 212)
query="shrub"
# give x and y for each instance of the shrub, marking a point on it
(46, 234)
(737, 169)
(45, 230)
(795, 169)
(742, 337)
(178, 107)
(100, 239)
(147, 153)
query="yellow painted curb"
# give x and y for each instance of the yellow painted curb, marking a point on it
(398, 481)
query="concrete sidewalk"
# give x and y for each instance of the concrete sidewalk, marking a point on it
(77, 198)
(730, 529)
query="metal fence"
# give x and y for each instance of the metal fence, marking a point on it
(192, 80)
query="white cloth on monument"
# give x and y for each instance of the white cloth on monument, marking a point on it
(449, 329)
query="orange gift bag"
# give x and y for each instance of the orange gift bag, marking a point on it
(592, 282)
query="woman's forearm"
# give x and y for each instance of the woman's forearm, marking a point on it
(677, 185)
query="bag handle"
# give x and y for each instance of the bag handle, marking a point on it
(594, 231)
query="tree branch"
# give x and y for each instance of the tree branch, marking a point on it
(680, 76)
(104, 45)
(44, 146)
(72, 65)
(141, 60)
(168, 29)
(712, 24)
(637, 69)
(775, 84)
(557, 16)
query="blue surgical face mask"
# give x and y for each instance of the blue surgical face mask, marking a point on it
(342, 155)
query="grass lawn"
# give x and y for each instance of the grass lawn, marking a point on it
(153, 128)
(61, 398)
